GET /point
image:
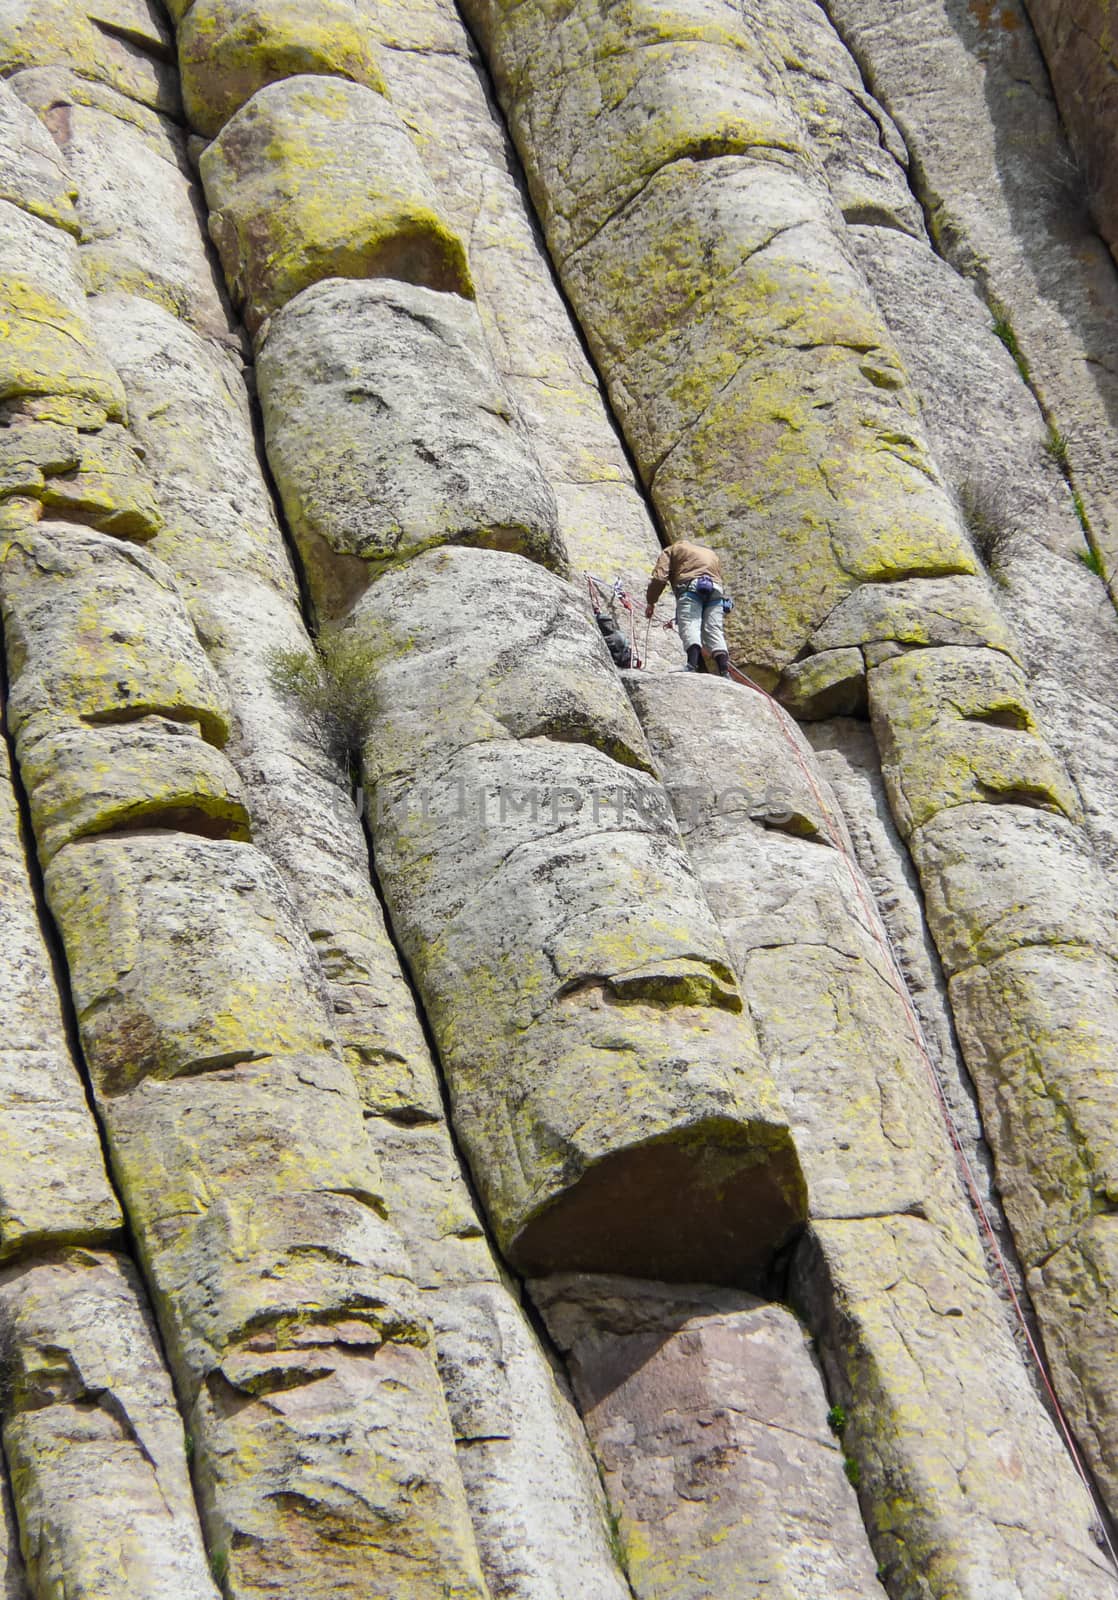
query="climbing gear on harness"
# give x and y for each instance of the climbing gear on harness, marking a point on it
(727, 603)
(704, 586)
(615, 593)
(615, 640)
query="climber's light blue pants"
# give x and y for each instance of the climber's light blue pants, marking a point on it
(699, 621)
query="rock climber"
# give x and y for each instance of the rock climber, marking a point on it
(695, 574)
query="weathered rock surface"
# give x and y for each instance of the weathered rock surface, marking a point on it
(96, 631)
(507, 762)
(49, 361)
(917, 1353)
(1006, 206)
(366, 1412)
(222, 541)
(534, 1501)
(141, 215)
(125, 44)
(53, 1186)
(228, 49)
(993, 442)
(538, 1509)
(285, 1299)
(318, 178)
(389, 431)
(956, 726)
(772, 855)
(430, 66)
(756, 382)
(32, 173)
(154, 772)
(1080, 46)
(709, 1420)
(90, 1428)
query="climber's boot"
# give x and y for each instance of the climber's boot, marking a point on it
(722, 662)
(694, 657)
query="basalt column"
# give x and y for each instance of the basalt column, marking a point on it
(766, 404)
(86, 1405)
(1080, 44)
(235, 1129)
(474, 1322)
(450, 467)
(1011, 205)
(891, 1264)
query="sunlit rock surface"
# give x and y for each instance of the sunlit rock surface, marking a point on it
(503, 1130)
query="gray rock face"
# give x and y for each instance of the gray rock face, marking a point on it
(990, 163)
(141, 216)
(775, 417)
(888, 1222)
(993, 442)
(388, 432)
(1079, 45)
(506, 761)
(32, 173)
(278, 1276)
(96, 630)
(228, 49)
(623, 955)
(709, 1420)
(430, 66)
(124, 44)
(53, 1185)
(90, 1425)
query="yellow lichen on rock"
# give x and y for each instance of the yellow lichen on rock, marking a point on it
(318, 178)
(123, 43)
(53, 1184)
(957, 726)
(154, 772)
(96, 629)
(90, 1427)
(228, 49)
(49, 359)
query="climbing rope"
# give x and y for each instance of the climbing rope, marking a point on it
(877, 928)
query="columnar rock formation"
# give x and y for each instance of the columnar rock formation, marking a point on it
(533, 1152)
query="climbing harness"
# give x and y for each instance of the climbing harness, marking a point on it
(877, 928)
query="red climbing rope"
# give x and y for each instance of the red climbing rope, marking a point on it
(877, 928)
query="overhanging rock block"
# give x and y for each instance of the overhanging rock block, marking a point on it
(228, 49)
(96, 630)
(604, 1082)
(772, 855)
(319, 178)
